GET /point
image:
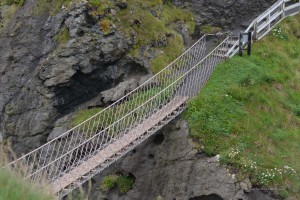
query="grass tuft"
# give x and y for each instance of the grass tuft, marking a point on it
(7, 13)
(105, 25)
(49, 6)
(13, 187)
(124, 183)
(63, 36)
(83, 115)
(13, 2)
(208, 29)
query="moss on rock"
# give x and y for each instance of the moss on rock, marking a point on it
(148, 22)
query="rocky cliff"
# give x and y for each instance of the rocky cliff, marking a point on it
(53, 62)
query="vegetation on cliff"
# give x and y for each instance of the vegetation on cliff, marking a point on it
(151, 23)
(53, 6)
(249, 112)
(124, 183)
(11, 2)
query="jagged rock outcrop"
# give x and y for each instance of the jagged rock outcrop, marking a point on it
(168, 166)
(42, 78)
(24, 112)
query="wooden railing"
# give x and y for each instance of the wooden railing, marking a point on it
(264, 23)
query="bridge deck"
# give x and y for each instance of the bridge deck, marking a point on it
(118, 145)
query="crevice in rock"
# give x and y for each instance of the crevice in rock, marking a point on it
(80, 89)
(80, 33)
(207, 197)
(135, 69)
(159, 138)
(90, 20)
(151, 156)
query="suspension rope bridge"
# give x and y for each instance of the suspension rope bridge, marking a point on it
(77, 155)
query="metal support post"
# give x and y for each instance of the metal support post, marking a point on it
(249, 43)
(241, 44)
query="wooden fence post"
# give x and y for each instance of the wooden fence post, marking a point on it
(283, 8)
(255, 31)
(269, 22)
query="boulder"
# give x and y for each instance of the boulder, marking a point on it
(246, 185)
(119, 91)
(56, 132)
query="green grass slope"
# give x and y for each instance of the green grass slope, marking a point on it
(249, 112)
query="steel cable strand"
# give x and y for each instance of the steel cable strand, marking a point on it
(157, 95)
(64, 134)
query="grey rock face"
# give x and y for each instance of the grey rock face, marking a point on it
(224, 13)
(168, 166)
(24, 112)
(60, 72)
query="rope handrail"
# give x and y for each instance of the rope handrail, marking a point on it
(118, 101)
(153, 97)
(55, 149)
(212, 58)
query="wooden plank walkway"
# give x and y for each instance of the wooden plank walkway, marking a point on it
(117, 146)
